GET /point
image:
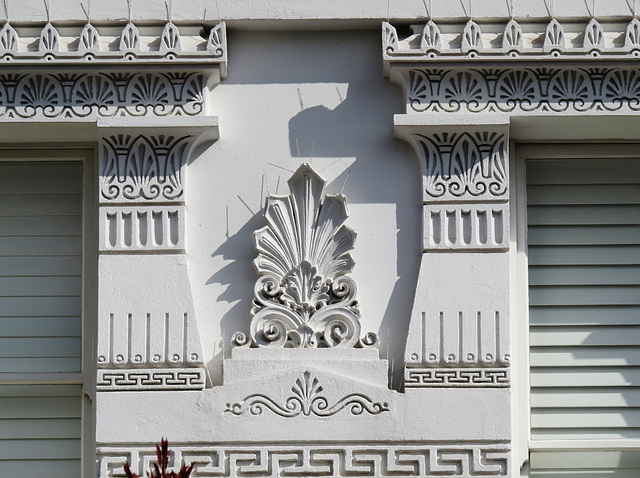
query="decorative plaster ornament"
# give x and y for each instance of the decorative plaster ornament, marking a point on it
(89, 39)
(49, 39)
(217, 41)
(430, 39)
(554, 36)
(632, 35)
(130, 39)
(472, 37)
(170, 40)
(512, 39)
(389, 38)
(594, 35)
(462, 459)
(307, 399)
(303, 297)
(143, 168)
(9, 39)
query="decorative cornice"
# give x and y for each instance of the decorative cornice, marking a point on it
(462, 459)
(303, 296)
(92, 45)
(307, 399)
(510, 41)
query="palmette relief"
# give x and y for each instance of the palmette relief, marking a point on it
(303, 295)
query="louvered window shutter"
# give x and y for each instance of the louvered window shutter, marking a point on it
(40, 317)
(583, 220)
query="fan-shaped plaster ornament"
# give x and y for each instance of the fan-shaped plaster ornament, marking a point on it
(303, 296)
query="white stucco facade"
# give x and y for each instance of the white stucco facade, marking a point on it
(236, 148)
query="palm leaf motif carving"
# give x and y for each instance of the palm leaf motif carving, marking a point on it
(89, 39)
(49, 39)
(217, 40)
(472, 37)
(512, 39)
(389, 38)
(594, 35)
(303, 296)
(430, 39)
(170, 39)
(554, 36)
(465, 165)
(143, 168)
(632, 35)
(130, 38)
(8, 39)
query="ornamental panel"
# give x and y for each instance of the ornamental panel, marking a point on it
(303, 296)
(401, 460)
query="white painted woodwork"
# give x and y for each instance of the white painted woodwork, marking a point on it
(40, 316)
(584, 296)
(40, 430)
(40, 281)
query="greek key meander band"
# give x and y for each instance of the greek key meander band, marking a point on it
(377, 460)
(423, 377)
(151, 379)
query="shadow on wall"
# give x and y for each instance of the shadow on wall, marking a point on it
(238, 266)
(324, 69)
(361, 126)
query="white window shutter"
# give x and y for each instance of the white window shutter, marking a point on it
(40, 316)
(583, 220)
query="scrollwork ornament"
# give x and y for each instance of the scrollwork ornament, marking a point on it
(240, 339)
(308, 399)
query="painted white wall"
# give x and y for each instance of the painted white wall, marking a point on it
(326, 91)
(313, 14)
